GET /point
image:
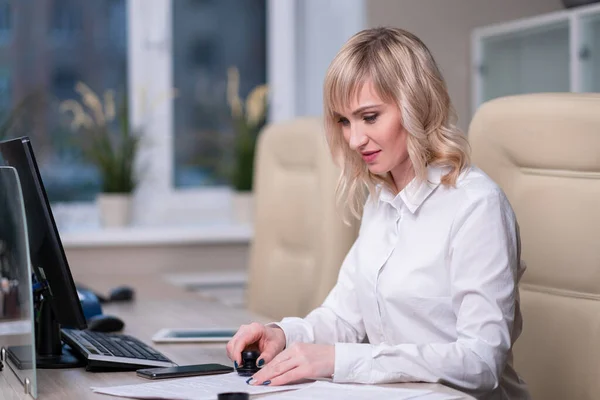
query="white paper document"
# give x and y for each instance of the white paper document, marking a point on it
(334, 391)
(440, 396)
(197, 388)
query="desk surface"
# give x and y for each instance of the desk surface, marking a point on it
(144, 317)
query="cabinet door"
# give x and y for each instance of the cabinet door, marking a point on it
(589, 53)
(529, 60)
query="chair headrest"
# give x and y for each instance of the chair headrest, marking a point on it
(544, 151)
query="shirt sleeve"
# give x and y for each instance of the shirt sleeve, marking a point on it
(338, 319)
(484, 256)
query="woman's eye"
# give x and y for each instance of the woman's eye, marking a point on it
(343, 121)
(370, 118)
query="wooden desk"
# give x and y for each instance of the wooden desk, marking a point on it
(143, 318)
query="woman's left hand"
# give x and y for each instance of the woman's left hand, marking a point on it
(299, 361)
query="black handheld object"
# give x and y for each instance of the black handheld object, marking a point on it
(234, 396)
(183, 371)
(249, 359)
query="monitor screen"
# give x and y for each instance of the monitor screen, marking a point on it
(47, 254)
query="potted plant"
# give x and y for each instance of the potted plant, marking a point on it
(248, 119)
(108, 142)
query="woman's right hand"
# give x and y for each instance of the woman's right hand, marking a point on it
(270, 342)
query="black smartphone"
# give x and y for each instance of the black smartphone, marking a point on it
(184, 370)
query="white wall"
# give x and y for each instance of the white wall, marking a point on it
(445, 26)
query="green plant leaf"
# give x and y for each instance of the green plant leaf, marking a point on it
(244, 153)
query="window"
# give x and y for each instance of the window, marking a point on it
(66, 19)
(6, 18)
(208, 38)
(44, 72)
(5, 90)
(117, 24)
(171, 58)
(63, 81)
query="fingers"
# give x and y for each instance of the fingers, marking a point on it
(292, 375)
(277, 338)
(246, 335)
(300, 361)
(274, 370)
(273, 343)
(268, 354)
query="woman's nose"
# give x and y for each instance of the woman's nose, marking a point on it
(358, 138)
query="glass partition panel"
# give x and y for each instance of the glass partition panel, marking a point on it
(17, 338)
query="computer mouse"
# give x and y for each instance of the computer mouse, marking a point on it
(105, 323)
(122, 293)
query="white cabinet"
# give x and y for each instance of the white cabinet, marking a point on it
(556, 52)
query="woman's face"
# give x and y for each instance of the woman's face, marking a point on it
(373, 128)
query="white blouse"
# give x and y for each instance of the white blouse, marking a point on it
(428, 292)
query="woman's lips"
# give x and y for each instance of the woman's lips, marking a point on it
(370, 156)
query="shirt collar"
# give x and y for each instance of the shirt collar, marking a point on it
(416, 192)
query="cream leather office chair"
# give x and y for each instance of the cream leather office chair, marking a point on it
(300, 240)
(544, 151)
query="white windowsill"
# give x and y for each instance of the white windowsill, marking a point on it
(150, 236)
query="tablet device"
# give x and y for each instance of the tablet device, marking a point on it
(193, 335)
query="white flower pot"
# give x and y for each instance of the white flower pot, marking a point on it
(243, 207)
(115, 209)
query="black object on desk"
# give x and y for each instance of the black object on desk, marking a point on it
(117, 294)
(105, 323)
(249, 367)
(184, 371)
(233, 396)
(122, 293)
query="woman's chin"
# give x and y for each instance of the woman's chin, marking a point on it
(377, 169)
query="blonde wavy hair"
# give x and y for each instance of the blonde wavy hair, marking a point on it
(403, 72)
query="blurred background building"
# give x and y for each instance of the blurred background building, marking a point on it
(46, 47)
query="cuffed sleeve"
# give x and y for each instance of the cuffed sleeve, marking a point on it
(295, 330)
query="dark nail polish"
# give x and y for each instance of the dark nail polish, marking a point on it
(249, 380)
(235, 364)
(266, 383)
(261, 362)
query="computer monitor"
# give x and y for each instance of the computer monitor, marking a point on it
(59, 302)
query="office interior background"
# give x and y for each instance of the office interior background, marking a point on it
(173, 62)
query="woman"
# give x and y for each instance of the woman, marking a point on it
(428, 292)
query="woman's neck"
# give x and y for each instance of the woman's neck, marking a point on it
(402, 175)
